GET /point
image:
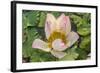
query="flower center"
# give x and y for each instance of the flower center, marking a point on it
(56, 35)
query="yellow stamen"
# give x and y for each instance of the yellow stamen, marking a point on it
(56, 35)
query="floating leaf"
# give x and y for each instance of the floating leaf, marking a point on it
(42, 19)
(27, 45)
(71, 54)
(85, 43)
(32, 17)
(76, 20)
(25, 22)
(41, 56)
(82, 54)
(84, 31)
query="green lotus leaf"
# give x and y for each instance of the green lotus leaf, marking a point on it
(32, 34)
(42, 19)
(41, 56)
(25, 22)
(82, 54)
(85, 43)
(84, 31)
(71, 54)
(77, 20)
(31, 17)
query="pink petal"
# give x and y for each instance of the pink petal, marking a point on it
(39, 44)
(72, 38)
(58, 54)
(50, 24)
(64, 23)
(59, 45)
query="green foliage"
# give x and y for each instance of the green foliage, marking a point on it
(42, 19)
(33, 28)
(84, 31)
(82, 54)
(27, 45)
(56, 14)
(85, 43)
(71, 54)
(41, 56)
(31, 17)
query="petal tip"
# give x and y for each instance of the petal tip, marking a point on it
(58, 54)
(49, 14)
(63, 14)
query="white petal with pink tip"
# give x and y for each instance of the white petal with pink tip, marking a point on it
(58, 54)
(39, 44)
(64, 24)
(50, 24)
(72, 38)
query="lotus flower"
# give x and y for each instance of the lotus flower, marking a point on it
(59, 36)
